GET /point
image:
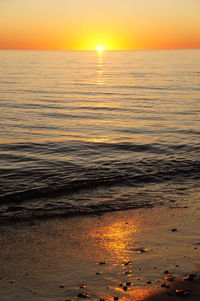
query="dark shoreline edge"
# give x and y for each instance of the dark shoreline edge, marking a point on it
(66, 215)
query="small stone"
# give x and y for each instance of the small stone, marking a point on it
(169, 277)
(139, 250)
(102, 262)
(181, 292)
(189, 277)
(193, 275)
(84, 295)
(12, 281)
(148, 282)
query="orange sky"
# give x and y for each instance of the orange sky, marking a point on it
(85, 24)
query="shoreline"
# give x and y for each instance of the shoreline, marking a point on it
(52, 259)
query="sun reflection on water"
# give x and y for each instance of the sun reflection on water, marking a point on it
(116, 240)
(100, 69)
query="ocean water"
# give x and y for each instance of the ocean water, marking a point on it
(85, 132)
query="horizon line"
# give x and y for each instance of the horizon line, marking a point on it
(105, 50)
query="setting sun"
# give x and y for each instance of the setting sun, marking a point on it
(100, 48)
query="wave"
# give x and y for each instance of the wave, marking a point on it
(136, 173)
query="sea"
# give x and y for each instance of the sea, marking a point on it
(87, 132)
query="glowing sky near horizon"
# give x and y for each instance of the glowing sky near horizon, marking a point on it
(85, 24)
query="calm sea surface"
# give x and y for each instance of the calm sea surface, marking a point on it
(89, 132)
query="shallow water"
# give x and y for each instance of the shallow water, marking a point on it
(88, 132)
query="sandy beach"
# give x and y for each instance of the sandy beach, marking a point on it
(99, 150)
(125, 255)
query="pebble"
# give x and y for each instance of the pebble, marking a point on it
(169, 277)
(101, 262)
(187, 293)
(165, 285)
(139, 250)
(83, 295)
(193, 275)
(12, 281)
(189, 277)
(181, 292)
(148, 282)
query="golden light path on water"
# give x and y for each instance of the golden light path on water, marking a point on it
(116, 238)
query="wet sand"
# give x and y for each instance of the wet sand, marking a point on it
(123, 254)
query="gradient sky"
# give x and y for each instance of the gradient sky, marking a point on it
(85, 24)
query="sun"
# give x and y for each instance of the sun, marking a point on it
(100, 48)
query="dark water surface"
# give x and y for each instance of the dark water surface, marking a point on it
(88, 132)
